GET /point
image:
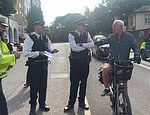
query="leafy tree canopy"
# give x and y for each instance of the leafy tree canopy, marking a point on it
(120, 8)
(7, 7)
(35, 14)
(62, 26)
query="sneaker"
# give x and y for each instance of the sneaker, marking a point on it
(105, 92)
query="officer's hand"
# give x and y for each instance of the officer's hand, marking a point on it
(17, 55)
(137, 59)
(9, 67)
(55, 50)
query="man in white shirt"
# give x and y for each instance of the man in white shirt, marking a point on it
(34, 47)
(80, 57)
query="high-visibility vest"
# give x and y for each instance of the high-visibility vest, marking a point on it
(143, 45)
(6, 59)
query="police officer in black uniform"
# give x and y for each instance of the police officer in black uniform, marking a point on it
(34, 47)
(80, 57)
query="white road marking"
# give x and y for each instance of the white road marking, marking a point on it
(59, 75)
(144, 66)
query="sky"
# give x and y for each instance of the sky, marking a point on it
(53, 8)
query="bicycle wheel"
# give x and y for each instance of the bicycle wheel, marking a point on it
(114, 99)
(117, 111)
(124, 103)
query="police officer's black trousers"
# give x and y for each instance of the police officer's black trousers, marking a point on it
(79, 70)
(38, 83)
(3, 104)
(28, 76)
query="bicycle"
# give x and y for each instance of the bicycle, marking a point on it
(121, 71)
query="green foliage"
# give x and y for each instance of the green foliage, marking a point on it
(122, 8)
(7, 7)
(100, 20)
(62, 26)
(102, 17)
(33, 15)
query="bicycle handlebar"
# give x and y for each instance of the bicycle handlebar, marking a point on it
(132, 60)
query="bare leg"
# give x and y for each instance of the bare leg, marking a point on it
(105, 74)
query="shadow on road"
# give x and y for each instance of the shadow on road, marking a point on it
(80, 112)
(18, 101)
(38, 112)
(72, 112)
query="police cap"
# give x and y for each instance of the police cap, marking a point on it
(39, 22)
(81, 21)
(3, 21)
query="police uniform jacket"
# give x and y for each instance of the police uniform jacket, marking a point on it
(79, 45)
(32, 46)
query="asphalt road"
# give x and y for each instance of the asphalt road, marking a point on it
(58, 88)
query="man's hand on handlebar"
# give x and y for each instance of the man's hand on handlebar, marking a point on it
(137, 58)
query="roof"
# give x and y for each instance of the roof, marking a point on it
(145, 8)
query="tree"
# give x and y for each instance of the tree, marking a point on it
(101, 19)
(122, 8)
(7, 7)
(35, 14)
(62, 26)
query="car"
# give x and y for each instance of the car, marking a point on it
(102, 51)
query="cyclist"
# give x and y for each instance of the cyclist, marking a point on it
(121, 43)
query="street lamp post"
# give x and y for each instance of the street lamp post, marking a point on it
(9, 29)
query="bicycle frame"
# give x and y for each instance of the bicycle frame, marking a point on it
(117, 88)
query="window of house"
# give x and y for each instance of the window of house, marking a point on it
(131, 20)
(147, 18)
(19, 5)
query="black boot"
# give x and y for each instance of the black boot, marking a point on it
(68, 107)
(44, 108)
(83, 106)
(32, 112)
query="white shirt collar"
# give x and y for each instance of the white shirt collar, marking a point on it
(78, 32)
(36, 34)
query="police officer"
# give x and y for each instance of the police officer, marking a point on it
(34, 47)
(80, 57)
(6, 60)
